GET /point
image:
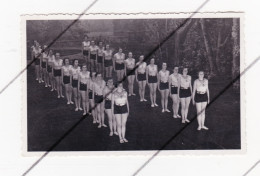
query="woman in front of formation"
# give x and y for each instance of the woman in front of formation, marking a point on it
(200, 97)
(184, 92)
(85, 51)
(36, 54)
(75, 71)
(99, 86)
(83, 85)
(120, 109)
(91, 97)
(174, 81)
(163, 86)
(100, 53)
(108, 63)
(44, 60)
(152, 79)
(107, 94)
(57, 65)
(50, 60)
(118, 64)
(130, 72)
(93, 56)
(141, 77)
(66, 79)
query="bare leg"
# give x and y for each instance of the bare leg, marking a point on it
(57, 79)
(187, 103)
(166, 100)
(67, 92)
(110, 121)
(162, 99)
(198, 107)
(203, 109)
(99, 115)
(83, 98)
(124, 119)
(140, 90)
(183, 109)
(119, 126)
(143, 89)
(110, 71)
(151, 94)
(75, 94)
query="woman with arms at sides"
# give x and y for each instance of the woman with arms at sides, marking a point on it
(120, 109)
(99, 86)
(85, 51)
(200, 97)
(130, 72)
(93, 56)
(100, 54)
(107, 94)
(57, 65)
(36, 57)
(50, 60)
(83, 86)
(75, 71)
(66, 79)
(184, 92)
(108, 63)
(91, 97)
(152, 79)
(141, 77)
(174, 81)
(118, 64)
(44, 60)
(163, 86)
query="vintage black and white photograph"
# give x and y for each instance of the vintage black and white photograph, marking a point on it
(135, 84)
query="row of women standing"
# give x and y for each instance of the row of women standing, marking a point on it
(90, 92)
(178, 86)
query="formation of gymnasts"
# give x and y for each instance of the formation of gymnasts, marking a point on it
(95, 96)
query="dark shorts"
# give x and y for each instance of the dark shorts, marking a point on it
(75, 83)
(93, 56)
(120, 109)
(98, 98)
(82, 87)
(108, 63)
(201, 97)
(164, 85)
(119, 66)
(85, 52)
(49, 68)
(152, 79)
(174, 90)
(100, 59)
(57, 72)
(36, 60)
(108, 104)
(184, 93)
(141, 76)
(130, 72)
(44, 64)
(66, 79)
(90, 94)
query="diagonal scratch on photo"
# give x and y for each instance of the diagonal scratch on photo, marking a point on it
(99, 69)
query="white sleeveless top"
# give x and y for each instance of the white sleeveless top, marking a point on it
(130, 63)
(185, 82)
(175, 79)
(91, 84)
(99, 88)
(75, 72)
(100, 51)
(51, 59)
(119, 58)
(93, 49)
(108, 93)
(108, 54)
(84, 77)
(57, 63)
(44, 57)
(85, 45)
(66, 70)
(152, 70)
(202, 86)
(141, 67)
(164, 76)
(120, 99)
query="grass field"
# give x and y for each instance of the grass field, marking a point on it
(147, 128)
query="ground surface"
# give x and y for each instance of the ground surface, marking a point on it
(147, 128)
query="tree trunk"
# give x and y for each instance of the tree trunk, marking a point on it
(235, 52)
(212, 63)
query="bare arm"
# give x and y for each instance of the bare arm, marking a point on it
(193, 92)
(208, 91)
